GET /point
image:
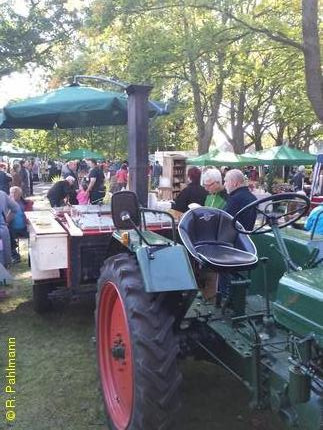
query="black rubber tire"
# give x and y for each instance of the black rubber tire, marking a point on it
(41, 301)
(154, 347)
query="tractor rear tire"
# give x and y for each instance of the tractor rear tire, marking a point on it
(137, 350)
(41, 301)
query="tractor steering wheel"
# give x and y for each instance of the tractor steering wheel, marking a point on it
(296, 205)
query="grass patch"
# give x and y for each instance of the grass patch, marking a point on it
(56, 377)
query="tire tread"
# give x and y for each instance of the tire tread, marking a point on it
(155, 346)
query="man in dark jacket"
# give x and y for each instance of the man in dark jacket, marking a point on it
(60, 191)
(29, 168)
(298, 179)
(70, 169)
(5, 179)
(156, 174)
(96, 189)
(239, 197)
(25, 178)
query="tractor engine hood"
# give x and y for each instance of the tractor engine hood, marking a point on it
(299, 303)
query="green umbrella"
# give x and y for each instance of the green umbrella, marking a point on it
(217, 158)
(81, 154)
(71, 107)
(283, 156)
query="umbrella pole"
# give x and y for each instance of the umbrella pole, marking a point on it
(57, 142)
(114, 144)
(91, 139)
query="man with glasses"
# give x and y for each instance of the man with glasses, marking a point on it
(212, 182)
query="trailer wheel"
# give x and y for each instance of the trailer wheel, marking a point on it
(136, 348)
(41, 301)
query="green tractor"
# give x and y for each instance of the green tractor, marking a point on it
(255, 310)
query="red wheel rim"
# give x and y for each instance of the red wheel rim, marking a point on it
(115, 356)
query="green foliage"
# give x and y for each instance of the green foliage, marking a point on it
(234, 64)
(172, 132)
(55, 179)
(110, 141)
(28, 38)
(37, 141)
(208, 50)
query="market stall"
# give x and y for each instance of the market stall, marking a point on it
(68, 246)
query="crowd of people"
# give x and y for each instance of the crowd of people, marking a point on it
(12, 223)
(80, 182)
(19, 175)
(231, 190)
(90, 179)
(227, 191)
(16, 185)
(85, 182)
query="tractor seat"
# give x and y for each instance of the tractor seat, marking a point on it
(209, 236)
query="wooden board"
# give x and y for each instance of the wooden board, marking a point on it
(43, 222)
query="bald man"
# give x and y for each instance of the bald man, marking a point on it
(239, 197)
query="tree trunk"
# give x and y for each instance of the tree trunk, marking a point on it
(313, 74)
(205, 129)
(257, 128)
(237, 128)
(257, 137)
(280, 133)
(214, 110)
(194, 82)
(198, 111)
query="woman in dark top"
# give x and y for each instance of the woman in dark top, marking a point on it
(193, 193)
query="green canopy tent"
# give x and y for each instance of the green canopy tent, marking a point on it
(82, 106)
(71, 107)
(219, 158)
(282, 156)
(81, 154)
(201, 160)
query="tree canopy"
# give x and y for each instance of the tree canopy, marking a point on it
(29, 37)
(249, 69)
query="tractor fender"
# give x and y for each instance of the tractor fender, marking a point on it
(166, 269)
